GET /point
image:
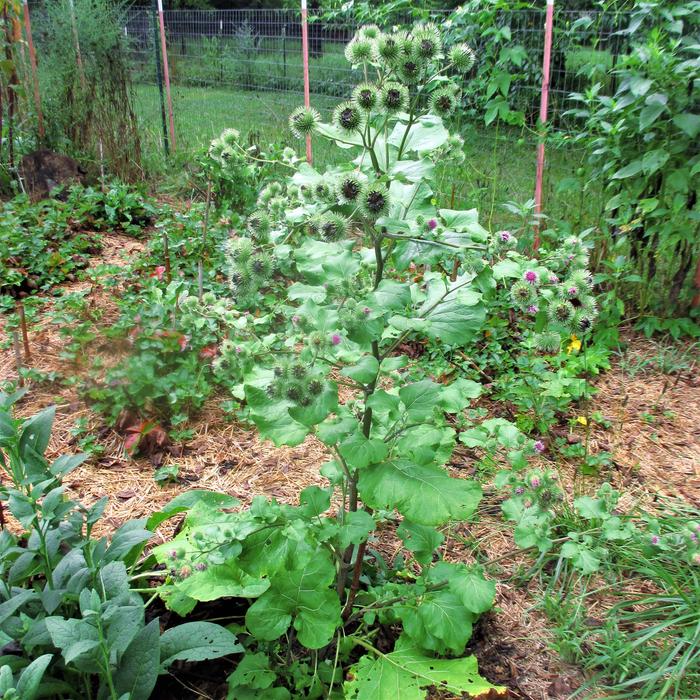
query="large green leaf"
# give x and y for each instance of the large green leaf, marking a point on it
(422, 540)
(138, 671)
(439, 623)
(365, 371)
(222, 581)
(302, 595)
(413, 170)
(689, 123)
(360, 451)
(457, 396)
(408, 674)
(319, 409)
(419, 399)
(425, 494)
(196, 641)
(29, 682)
(273, 419)
(427, 134)
(468, 583)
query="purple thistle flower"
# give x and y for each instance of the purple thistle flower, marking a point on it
(335, 339)
(239, 349)
(534, 482)
(520, 490)
(553, 278)
(655, 539)
(432, 224)
(572, 291)
(693, 537)
(533, 309)
(530, 276)
(504, 236)
(366, 311)
(539, 446)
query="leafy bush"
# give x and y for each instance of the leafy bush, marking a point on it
(648, 645)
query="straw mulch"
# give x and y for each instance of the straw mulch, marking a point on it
(513, 642)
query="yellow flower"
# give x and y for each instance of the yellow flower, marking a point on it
(574, 345)
(582, 420)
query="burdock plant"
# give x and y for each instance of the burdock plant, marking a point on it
(372, 260)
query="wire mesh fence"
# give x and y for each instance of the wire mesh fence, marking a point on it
(244, 68)
(260, 51)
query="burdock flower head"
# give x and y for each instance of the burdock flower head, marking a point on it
(522, 294)
(561, 311)
(334, 227)
(443, 102)
(370, 31)
(261, 267)
(374, 200)
(303, 121)
(349, 189)
(359, 50)
(428, 42)
(393, 98)
(348, 117)
(388, 48)
(259, 226)
(365, 96)
(548, 342)
(530, 276)
(462, 57)
(410, 69)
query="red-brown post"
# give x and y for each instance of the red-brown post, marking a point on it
(544, 105)
(166, 73)
(35, 72)
(305, 58)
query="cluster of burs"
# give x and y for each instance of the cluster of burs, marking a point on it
(566, 296)
(337, 203)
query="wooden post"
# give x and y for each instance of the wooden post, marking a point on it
(544, 104)
(305, 59)
(166, 72)
(35, 72)
(18, 356)
(23, 326)
(76, 41)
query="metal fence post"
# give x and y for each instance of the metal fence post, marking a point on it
(305, 57)
(35, 71)
(166, 71)
(159, 78)
(544, 103)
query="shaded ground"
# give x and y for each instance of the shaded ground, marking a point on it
(653, 437)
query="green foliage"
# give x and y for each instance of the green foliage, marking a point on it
(324, 268)
(648, 645)
(67, 597)
(234, 171)
(48, 242)
(88, 95)
(641, 141)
